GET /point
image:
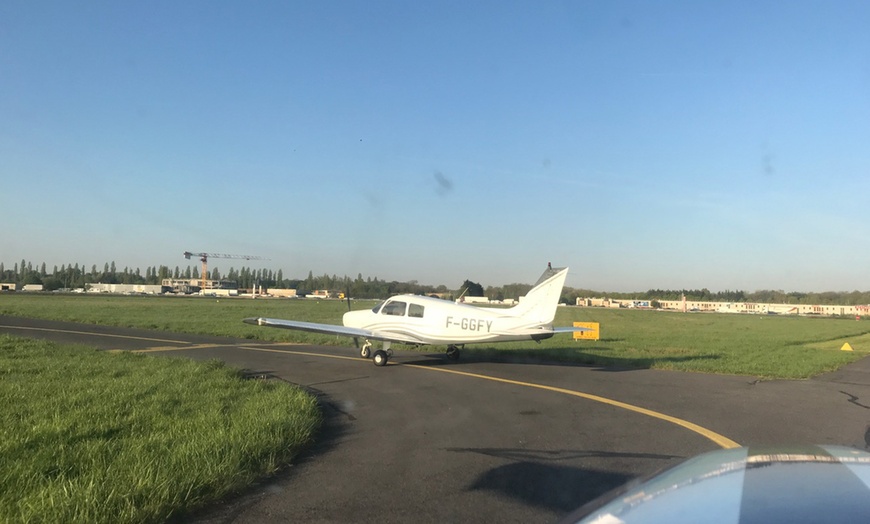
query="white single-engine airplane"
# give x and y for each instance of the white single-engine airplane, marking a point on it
(418, 320)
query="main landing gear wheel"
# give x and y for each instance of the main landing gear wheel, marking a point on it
(380, 358)
(366, 350)
(453, 352)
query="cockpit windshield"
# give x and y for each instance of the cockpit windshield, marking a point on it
(394, 307)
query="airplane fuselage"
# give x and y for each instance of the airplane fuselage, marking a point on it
(425, 320)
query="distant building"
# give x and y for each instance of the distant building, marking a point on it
(148, 289)
(217, 292)
(767, 309)
(597, 302)
(194, 285)
(473, 300)
(289, 293)
(732, 307)
(324, 293)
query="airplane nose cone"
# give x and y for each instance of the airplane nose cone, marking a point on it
(354, 318)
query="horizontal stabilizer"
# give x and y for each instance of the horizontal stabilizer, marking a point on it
(571, 329)
(541, 330)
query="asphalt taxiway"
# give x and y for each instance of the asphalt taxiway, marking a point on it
(427, 439)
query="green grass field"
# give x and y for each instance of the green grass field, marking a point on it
(760, 345)
(765, 346)
(92, 436)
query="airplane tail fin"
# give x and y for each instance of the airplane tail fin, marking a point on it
(540, 303)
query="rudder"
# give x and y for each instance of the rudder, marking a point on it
(540, 303)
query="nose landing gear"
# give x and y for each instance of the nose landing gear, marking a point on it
(379, 357)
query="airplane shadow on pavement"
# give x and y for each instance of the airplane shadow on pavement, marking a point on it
(534, 479)
(510, 357)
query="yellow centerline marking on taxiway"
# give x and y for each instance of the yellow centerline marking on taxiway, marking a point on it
(302, 353)
(193, 346)
(174, 348)
(183, 345)
(23, 328)
(720, 440)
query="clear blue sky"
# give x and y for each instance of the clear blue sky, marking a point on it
(645, 144)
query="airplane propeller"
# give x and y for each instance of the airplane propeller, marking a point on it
(347, 296)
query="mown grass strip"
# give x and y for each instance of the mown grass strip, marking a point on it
(89, 436)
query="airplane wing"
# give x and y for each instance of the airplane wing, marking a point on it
(331, 329)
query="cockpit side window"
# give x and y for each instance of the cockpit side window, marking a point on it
(395, 307)
(415, 310)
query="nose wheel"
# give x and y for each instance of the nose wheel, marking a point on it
(381, 356)
(453, 352)
(366, 350)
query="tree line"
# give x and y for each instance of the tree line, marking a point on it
(71, 276)
(79, 276)
(74, 276)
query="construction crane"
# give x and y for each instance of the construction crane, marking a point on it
(203, 257)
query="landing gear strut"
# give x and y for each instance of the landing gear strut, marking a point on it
(453, 352)
(366, 350)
